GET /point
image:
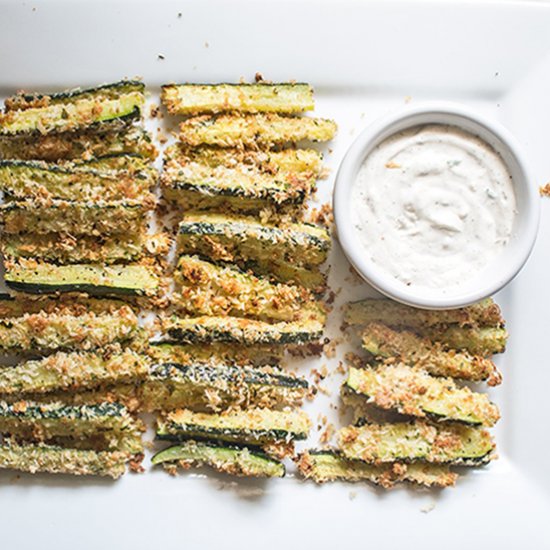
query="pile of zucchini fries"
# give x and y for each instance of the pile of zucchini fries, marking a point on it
(248, 278)
(76, 174)
(413, 419)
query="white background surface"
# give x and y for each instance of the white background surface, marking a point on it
(364, 59)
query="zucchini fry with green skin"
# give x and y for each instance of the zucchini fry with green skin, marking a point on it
(246, 427)
(71, 111)
(45, 421)
(239, 188)
(229, 459)
(231, 238)
(78, 145)
(240, 354)
(27, 179)
(194, 99)
(414, 392)
(270, 162)
(264, 130)
(72, 371)
(210, 289)
(394, 314)
(404, 346)
(328, 465)
(70, 249)
(452, 444)
(97, 218)
(214, 387)
(57, 460)
(236, 330)
(96, 280)
(50, 331)
(482, 341)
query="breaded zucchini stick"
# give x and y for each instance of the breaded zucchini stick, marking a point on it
(57, 460)
(96, 280)
(413, 441)
(226, 458)
(270, 162)
(237, 330)
(404, 346)
(414, 392)
(71, 371)
(71, 249)
(246, 427)
(329, 465)
(214, 387)
(78, 145)
(194, 99)
(97, 218)
(394, 314)
(210, 289)
(264, 130)
(48, 331)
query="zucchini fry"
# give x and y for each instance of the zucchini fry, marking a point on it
(414, 392)
(197, 330)
(71, 249)
(98, 218)
(73, 110)
(413, 441)
(270, 162)
(34, 179)
(403, 346)
(231, 238)
(78, 145)
(97, 280)
(328, 465)
(213, 387)
(264, 130)
(229, 459)
(194, 99)
(59, 330)
(239, 354)
(240, 188)
(57, 460)
(394, 314)
(249, 427)
(210, 289)
(46, 421)
(71, 371)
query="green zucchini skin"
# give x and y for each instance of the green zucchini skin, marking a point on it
(230, 459)
(57, 460)
(193, 99)
(211, 387)
(45, 421)
(95, 280)
(241, 331)
(246, 427)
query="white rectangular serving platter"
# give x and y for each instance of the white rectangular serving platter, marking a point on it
(364, 59)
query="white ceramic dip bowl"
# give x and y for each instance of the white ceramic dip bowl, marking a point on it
(501, 269)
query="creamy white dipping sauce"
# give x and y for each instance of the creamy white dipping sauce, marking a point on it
(433, 205)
